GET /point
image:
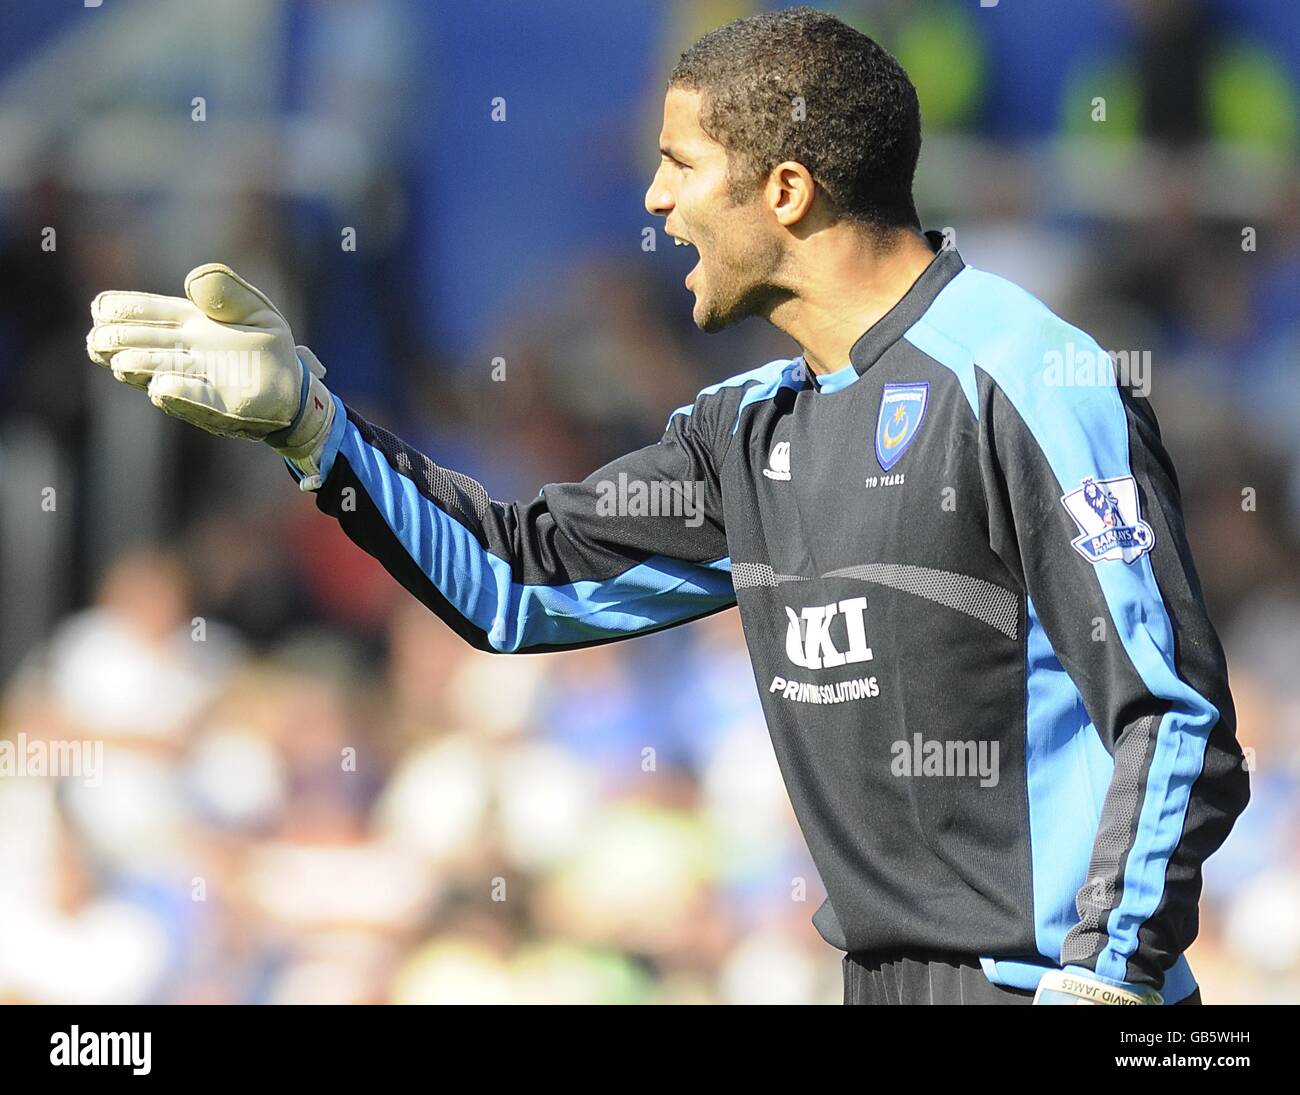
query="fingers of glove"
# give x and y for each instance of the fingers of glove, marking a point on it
(137, 367)
(201, 403)
(190, 398)
(311, 361)
(115, 306)
(92, 353)
(185, 387)
(221, 294)
(107, 339)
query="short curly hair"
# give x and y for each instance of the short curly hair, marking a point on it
(801, 85)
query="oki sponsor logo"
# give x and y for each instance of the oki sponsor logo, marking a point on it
(809, 643)
(859, 688)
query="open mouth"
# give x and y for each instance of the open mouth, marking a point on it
(682, 241)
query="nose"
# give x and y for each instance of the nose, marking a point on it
(658, 199)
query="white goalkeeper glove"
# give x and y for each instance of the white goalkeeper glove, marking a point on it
(1076, 985)
(223, 359)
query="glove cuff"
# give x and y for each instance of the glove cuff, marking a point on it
(302, 443)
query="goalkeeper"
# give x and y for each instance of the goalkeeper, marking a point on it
(1000, 709)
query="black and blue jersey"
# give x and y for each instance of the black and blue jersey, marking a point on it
(1000, 709)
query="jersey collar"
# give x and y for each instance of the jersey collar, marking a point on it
(833, 382)
(887, 330)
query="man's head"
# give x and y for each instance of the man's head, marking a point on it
(776, 127)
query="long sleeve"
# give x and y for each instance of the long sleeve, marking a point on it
(1084, 508)
(637, 546)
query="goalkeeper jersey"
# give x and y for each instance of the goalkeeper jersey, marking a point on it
(999, 706)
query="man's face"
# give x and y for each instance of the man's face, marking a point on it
(737, 239)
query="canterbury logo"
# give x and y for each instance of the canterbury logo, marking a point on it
(808, 642)
(778, 464)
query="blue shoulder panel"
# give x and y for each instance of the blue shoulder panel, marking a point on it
(765, 380)
(1082, 431)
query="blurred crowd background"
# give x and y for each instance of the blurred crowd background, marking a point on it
(312, 790)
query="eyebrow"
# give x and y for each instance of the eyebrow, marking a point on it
(670, 153)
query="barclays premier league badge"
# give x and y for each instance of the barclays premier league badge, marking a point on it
(902, 406)
(1106, 511)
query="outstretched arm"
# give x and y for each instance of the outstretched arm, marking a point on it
(636, 547)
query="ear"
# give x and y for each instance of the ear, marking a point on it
(790, 192)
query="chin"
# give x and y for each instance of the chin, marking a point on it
(708, 322)
(707, 315)
(710, 319)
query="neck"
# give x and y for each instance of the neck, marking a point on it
(844, 286)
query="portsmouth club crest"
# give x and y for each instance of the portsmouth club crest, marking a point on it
(902, 406)
(1107, 513)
